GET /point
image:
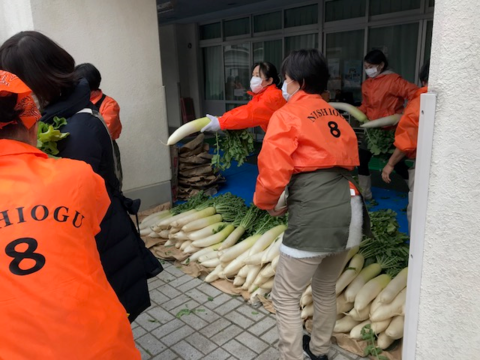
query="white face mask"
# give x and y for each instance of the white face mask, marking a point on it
(285, 94)
(372, 72)
(256, 84)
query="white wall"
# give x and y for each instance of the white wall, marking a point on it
(120, 37)
(449, 316)
(15, 16)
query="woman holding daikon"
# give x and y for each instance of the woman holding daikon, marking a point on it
(311, 148)
(384, 93)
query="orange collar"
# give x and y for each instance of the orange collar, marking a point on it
(14, 147)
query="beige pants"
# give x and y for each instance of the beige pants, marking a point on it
(291, 279)
(411, 184)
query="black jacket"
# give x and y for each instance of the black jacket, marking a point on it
(126, 261)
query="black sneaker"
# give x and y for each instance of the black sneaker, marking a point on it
(306, 350)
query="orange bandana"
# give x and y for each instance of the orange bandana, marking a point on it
(11, 84)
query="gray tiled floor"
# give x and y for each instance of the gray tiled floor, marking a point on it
(214, 326)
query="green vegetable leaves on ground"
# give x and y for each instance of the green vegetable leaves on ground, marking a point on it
(235, 145)
(49, 134)
(380, 142)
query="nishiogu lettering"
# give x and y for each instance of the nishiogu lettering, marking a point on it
(39, 213)
(317, 114)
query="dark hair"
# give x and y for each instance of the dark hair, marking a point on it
(43, 65)
(308, 68)
(91, 74)
(8, 114)
(424, 72)
(376, 57)
(269, 71)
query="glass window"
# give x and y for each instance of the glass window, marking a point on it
(267, 22)
(428, 40)
(345, 63)
(237, 27)
(299, 42)
(212, 61)
(399, 44)
(270, 51)
(237, 71)
(305, 15)
(344, 9)
(379, 7)
(210, 31)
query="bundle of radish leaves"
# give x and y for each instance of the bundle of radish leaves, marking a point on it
(49, 134)
(235, 145)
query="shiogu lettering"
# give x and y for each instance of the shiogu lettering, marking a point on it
(39, 213)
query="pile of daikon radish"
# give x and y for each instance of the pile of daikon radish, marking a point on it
(240, 244)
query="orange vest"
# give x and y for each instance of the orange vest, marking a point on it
(55, 300)
(305, 135)
(110, 111)
(256, 113)
(407, 128)
(385, 95)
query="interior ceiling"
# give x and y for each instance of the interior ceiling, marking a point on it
(171, 11)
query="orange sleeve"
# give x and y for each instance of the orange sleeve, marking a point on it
(275, 163)
(256, 113)
(407, 129)
(405, 89)
(110, 111)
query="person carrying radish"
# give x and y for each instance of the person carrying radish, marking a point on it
(406, 139)
(311, 148)
(384, 94)
(267, 98)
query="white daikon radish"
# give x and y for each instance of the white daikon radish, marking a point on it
(340, 316)
(211, 263)
(356, 332)
(169, 243)
(190, 249)
(351, 253)
(384, 341)
(252, 274)
(201, 223)
(206, 231)
(382, 122)
(208, 256)
(305, 300)
(255, 259)
(394, 287)
(152, 219)
(375, 305)
(234, 266)
(266, 239)
(365, 275)
(179, 223)
(273, 250)
(215, 238)
(153, 234)
(238, 281)
(167, 223)
(178, 243)
(204, 251)
(308, 290)
(307, 311)
(361, 315)
(179, 236)
(352, 271)
(240, 248)
(343, 305)
(395, 329)
(254, 297)
(268, 285)
(380, 326)
(243, 272)
(345, 325)
(188, 129)
(145, 231)
(265, 274)
(164, 234)
(275, 263)
(214, 274)
(352, 110)
(370, 291)
(185, 245)
(387, 311)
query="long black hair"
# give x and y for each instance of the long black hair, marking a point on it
(40, 63)
(376, 57)
(91, 73)
(269, 71)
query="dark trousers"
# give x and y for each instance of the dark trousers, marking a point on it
(365, 155)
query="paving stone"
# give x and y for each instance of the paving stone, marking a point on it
(174, 271)
(187, 351)
(218, 354)
(148, 322)
(138, 332)
(166, 355)
(157, 297)
(152, 345)
(215, 327)
(209, 290)
(189, 285)
(271, 336)
(194, 321)
(180, 281)
(161, 314)
(201, 343)
(144, 354)
(167, 329)
(169, 291)
(154, 284)
(341, 356)
(218, 301)
(270, 354)
(226, 334)
(251, 342)
(208, 315)
(250, 312)
(166, 276)
(241, 352)
(239, 320)
(262, 326)
(189, 305)
(177, 335)
(197, 295)
(176, 302)
(228, 306)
